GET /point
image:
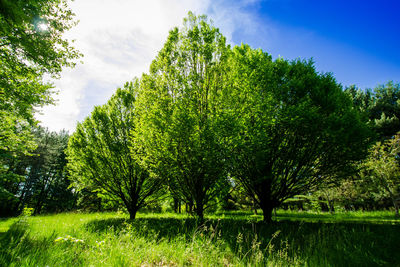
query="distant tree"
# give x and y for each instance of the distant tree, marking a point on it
(185, 125)
(383, 165)
(31, 45)
(40, 180)
(385, 111)
(296, 128)
(103, 157)
(382, 107)
(46, 184)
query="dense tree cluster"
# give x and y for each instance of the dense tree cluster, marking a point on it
(31, 46)
(207, 117)
(103, 156)
(208, 126)
(39, 180)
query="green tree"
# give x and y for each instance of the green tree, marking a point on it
(103, 157)
(40, 181)
(31, 46)
(382, 107)
(385, 111)
(384, 169)
(296, 128)
(184, 124)
(45, 187)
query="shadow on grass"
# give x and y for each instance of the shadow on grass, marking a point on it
(315, 243)
(339, 217)
(19, 248)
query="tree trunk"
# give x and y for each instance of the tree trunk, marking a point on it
(176, 205)
(132, 211)
(267, 212)
(331, 207)
(395, 204)
(38, 206)
(189, 207)
(132, 215)
(265, 200)
(396, 208)
(41, 199)
(200, 211)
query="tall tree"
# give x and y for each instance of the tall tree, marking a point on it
(385, 111)
(103, 157)
(46, 182)
(40, 180)
(382, 107)
(384, 169)
(186, 128)
(296, 127)
(31, 45)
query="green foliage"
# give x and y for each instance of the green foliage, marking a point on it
(102, 156)
(183, 120)
(380, 106)
(28, 51)
(386, 109)
(296, 127)
(31, 46)
(384, 169)
(38, 180)
(46, 188)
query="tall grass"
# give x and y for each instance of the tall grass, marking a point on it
(230, 239)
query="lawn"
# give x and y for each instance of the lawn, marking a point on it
(225, 239)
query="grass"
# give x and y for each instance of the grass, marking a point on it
(225, 239)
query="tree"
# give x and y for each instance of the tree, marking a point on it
(40, 181)
(384, 169)
(296, 128)
(385, 111)
(103, 157)
(382, 107)
(31, 45)
(45, 187)
(184, 124)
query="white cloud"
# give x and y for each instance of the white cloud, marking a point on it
(119, 39)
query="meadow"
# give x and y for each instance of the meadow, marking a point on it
(225, 239)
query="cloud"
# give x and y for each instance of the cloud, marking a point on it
(119, 39)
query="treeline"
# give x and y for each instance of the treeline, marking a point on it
(376, 185)
(214, 127)
(32, 160)
(209, 119)
(37, 180)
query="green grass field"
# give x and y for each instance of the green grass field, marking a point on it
(226, 239)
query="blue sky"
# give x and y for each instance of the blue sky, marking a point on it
(358, 41)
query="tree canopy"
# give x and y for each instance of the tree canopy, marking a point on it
(207, 118)
(183, 112)
(383, 169)
(296, 127)
(103, 157)
(381, 106)
(31, 46)
(38, 180)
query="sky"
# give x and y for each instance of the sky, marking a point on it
(357, 41)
